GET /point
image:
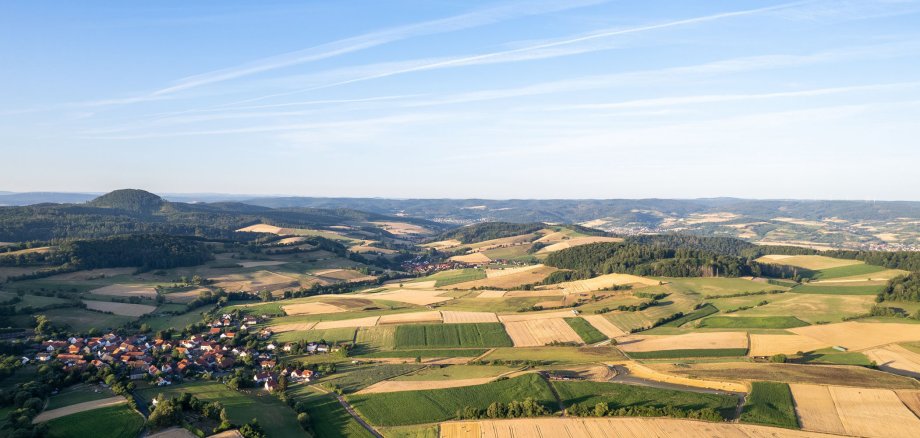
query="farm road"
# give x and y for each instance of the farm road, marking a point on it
(351, 411)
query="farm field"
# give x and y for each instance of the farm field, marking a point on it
(811, 262)
(426, 353)
(836, 289)
(122, 309)
(860, 411)
(790, 373)
(78, 394)
(451, 335)
(771, 404)
(509, 278)
(617, 395)
(604, 326)
(344, 334)
(896, 359)
(714, 287)
(557, 355)
(768, 345)
(538, 332)
(108, 422)
(859, 335)
(587, 332)
(690, 341)
(812, 308)
(753, 322)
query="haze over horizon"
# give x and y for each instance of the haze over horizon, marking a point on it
(528, 99)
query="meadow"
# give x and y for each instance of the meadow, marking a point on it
(117, 421)
(586, 331)
(618, 395)
(688, 353)
(327, 416)
(753, 322)
(556, 355)
(770, 403)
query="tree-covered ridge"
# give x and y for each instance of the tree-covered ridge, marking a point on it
(489, 230)
(648, 259)
(902, 288)
(133, 200)
(141, 251)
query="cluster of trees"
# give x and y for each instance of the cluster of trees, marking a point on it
(513, 409)
(172, 412)
(901, 288)
(645, 259)
(488, 231)
(604, 410)
(144, 251)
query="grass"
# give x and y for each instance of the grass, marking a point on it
(756, 322)
(838, 290)
(447, 278)
(453, 372)
(178, 322)
(352, 379)
(847, 271)
(430, 406)
(716, 285)
(274, 416)
(586, 331)
(376, 338)
(618, 395)
(702, 312)
(556, 355)
(343, 334)
(711, 352)
(80, 320)
(770, 403)
(409, 354)
(78, 394)
(833, 357)
(488, 334)
(109, 422)
(327, 416)
(420, 431)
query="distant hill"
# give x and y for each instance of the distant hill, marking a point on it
(138, 201)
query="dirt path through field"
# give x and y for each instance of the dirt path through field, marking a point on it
(77, 408)
(350, 410)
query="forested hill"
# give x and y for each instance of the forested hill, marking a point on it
(488, 231)
(139, 212)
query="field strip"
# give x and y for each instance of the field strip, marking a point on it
(419, 385)
(641, 371)
(695, 341)
(491, 294)
(539, 332)
(874, 413)
(292, 327)
(370, 321)
(527, 316)
(175, 432)
(310, 309)
(604, 326)
(860, 335)
(497, 273)
(816, 409)
(126, 290)
(911, 399)
(578, 241)
(401, 318)
(124, 309)
(896, 359)
(768, 345)
(455, 317)
(624, 427)
(77, 408)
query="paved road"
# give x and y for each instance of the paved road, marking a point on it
(351, 411)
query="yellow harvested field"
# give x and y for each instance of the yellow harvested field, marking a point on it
(403, 318)
(261, 263)
(185, 296)
(491, 294)
(694, 341)
(124, 309)
(261, 228)
(361, 249)
(415, 285)
(550, 304)
(879, 277)
(601, 282)
(476, 257)
(311, 309)
(455, 317)
(621, 427)
(896, 359)
(369, 321)
(402, 228)
(860, 335)
(227, 434)
(539, 332)
(578, 241)
(291, 240)
(443, 244)
(874, 413)
(252, 281)
(768, 345)
(126, 290)
(813, 262)
(644, 372)
(604, 326)
(816, 409)
(535, 293)
(418, 385)
(77, 408)
(175, 432)
(413, 296)
(911, 399)
(529, 316)
(509, 278)
(292, 327)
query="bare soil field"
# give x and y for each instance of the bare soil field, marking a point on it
(859, 335)
(413, 296)
(768, 345)
(509, 278)
(126, 290)
(690, 341)
(623, 427)
(124, 309)
(578, 241)
(528, 316)
(896, 359)
(311, 309)
(455, 317)
(842, 375)
(601, 282)
(535, 333)
(813, 262)
(77, 408)
(473, 258)
(292, 327)
(347, 323)
(418, 385)
(604, 326)
(254, 264)
(413, 317)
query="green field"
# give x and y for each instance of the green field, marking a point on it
(847, 271)
(419, 431)
(429, 406)
(447, 278)
(586, 331)
(117, 421)
(411, 354)
(714, 286)
(355, 378)
(837, 290)
(327, 416)
(754, 322)
(456, 372)
(78, 394)
(488, 334)
(376, 338)
(770, 403)
(274, 416)
(669, 354)
(556, 355)
(702, 312)
(343, 334)
(833, 357)
(618, 395)
(517, 252)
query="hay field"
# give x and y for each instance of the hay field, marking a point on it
(861, 411)
(418, 385)
(311, 309)
(126, 290)
(185, 296)
(578, 241)
(349, 275)
(812, 262)
(623, 427)
(406, 318)
(292, 327)
(790, 373)
(252, 281)
(534, 293)
(77, 408)
(859, 335)
(491, 294)
(528, 316)
(456, 317)
(261, 228)
(690, 341)
(536, 333)
(123, 309)
(641, 371)
(347, 323)
(256, 264)
(601, 282)
(911, 399)
(474, 258)
(443, 244)
(812, 307)
(768, 345)
(413, 296)
(509, 278)
(402, 228)
(604, 326)
(872, 278)
(896, 359)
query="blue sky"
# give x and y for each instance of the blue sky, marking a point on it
(498, 99)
